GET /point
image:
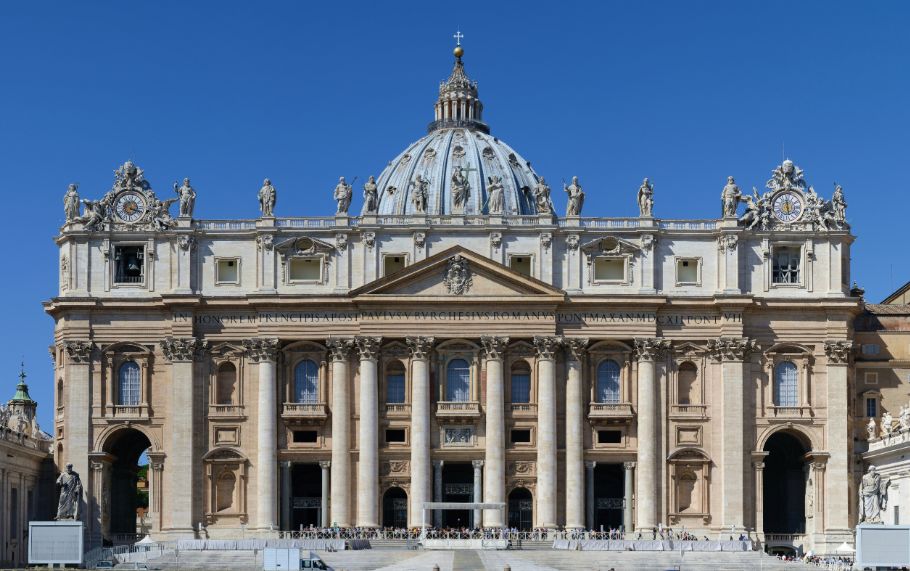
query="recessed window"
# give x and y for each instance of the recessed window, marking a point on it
(305, 269)
(786, 384)
(687, 271)
(129, 264)
(305, 436)
(521, 436)
(227, 271)
(785, 269)
(520, 264)
(392, 263)
(871, 349)
(609, 436)
(610, 270)
(871, 408)
(870, 378)
(521, 383)
(395, 435)
(395, 387)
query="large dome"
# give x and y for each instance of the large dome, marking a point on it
(459, 144)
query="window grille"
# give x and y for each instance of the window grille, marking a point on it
(786, 390)
(786, 266)
(128, 395)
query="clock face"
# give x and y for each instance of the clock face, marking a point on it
(787, 207)
(129, 207)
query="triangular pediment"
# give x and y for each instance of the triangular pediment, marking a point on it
(458, 273)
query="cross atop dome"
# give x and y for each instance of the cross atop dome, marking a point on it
(458, 104)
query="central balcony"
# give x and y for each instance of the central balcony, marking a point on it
(458, 411)
(610, 413)
(304, 412)
(226, 411)
(397, 410)
(522, 409)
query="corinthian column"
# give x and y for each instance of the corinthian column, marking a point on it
(575, 418)
(264, 351)
(647, 483)
(341, 436)
(732, 351)
(420, 427)
(546, 429)
(181, 352)
(368, 466)
(494, 477)
(837, 479)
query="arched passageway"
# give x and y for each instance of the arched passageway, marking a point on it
(785, 484)
(521, 509)
(128, 481)
(395, 508)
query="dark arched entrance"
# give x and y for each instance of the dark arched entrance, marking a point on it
(784, 489)
(395, 508)
(126, 447)
(521, 509)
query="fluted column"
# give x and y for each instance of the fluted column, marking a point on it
(589, 492)
(647, 483)
(546, 430)
(181, 352)
(478, 490)
(732, 351)
(325, 465)
(494, 466)
(341, 436)
(368, 465)
(837, 477)
(575, 420)
(627, 504)
(420, 427)
(264, 351)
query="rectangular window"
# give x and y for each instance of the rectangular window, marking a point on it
(520, 264)
(395, 389)
(687, 271)
(610, 270)
(521, 387)
(392, 263)
(305, 436)
(129, 264)
(609, 436)
(785, 269)
(227, 271)
(305, 270)
(871, 349)
(522, 436)
(395, 435)
(870, 378)
(871, 408)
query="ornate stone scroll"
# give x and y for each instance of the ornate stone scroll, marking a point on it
(368, 347)
(261, 348)
(731, 348)
(649, 348)
(547, 346)
(838, 352)
(339, 347)
(493, 347)
(457, 277)
(420, 346)
(78, 351)
(576, 347)
(178, 349)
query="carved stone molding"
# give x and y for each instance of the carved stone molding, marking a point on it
(457, 277)
(731, 348)
(522, 468)
(727, 242)
(369, 238)
(493, 347)
(572, 241)
(546, 239)
(368, 347)
(78, 351)
(477, 463)
(262, 348)
(340, 347)
(420, 239)
(647, 241)
(325, 464)
(576, 347)
(650, 348)
(265, 241)
(547, 346)
(496, 240)
(420, 346)
(396, 467)
(341, 242)
(838, 352)
(182, 349)
(628, 465)
(186, 242)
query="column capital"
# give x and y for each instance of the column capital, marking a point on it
(547, 345)
(262, 348)
(731, 349)
(368, 347)
(78, 351)
(759, 466)
(437, 464)
(650, 348)
(325, 464)
(576, 347)
(286, 465)
(493, 347)
(628, 465)
(340, 347)
(420, 346)
(590, 464)
(182, 349)
(478, 464)
(838, 352)
(156, 460)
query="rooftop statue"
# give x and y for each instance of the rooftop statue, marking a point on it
(839, 204)
(95, 212)
(730, 198)
(542, 197)
(887, 424)
(495, 202)
(160, 213)
(461, 188)
(342, 195)
(267, 197)
(70, 489)
(870, 428)
(187, 198)
(576, 197)
(646, 199)
(370, 197)
(71, 203)
(419, 196)
(787, 176)
(873, 497)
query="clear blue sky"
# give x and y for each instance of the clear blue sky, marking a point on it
(228, 93)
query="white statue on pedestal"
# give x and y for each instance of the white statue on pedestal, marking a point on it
(887, 424)
(873, 497)
(870, 428)
(904, 418)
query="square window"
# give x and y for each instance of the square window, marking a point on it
(687, 271)
(305, 436)
(521, 436)
(392, 263)
(129, 264)
(609, 436)
(870, 378)
(520, 264)
(395, 435)
(610, 270)
(227, 271)
(305, 269)
(785, 268)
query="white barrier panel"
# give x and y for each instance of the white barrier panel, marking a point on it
(55, 542)
(465, 544)
(882, 545)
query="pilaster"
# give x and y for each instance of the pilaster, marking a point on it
(837, 473)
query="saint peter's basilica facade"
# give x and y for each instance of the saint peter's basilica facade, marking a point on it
(459, 340)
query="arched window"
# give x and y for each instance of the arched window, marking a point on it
(687, 384)
(458, 381)
(521, 382)
(607, 382)
(394, 383)
(306, 382)
(226, 389)
(786, 390)
(128, 388)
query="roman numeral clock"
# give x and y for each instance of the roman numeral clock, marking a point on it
(787, 207)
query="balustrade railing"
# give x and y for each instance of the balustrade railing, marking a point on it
(304, 409)
(397, 409)
(225, 410)
(458, 407)
(790, 411)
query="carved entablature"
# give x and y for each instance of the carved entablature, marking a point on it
(731, 348)
(650, 348)
(493, 347)
(78, 351)
(368, 347)
(182, 349)
(340, 347)
(547, 346)
(838, 352)
(262, 348)
(420, 346)
(396, 468)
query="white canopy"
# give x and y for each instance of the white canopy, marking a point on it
(844, 548)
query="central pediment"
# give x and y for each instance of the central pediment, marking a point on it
(458, 273)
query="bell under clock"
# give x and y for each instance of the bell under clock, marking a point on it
(130, 207)
(787, 207)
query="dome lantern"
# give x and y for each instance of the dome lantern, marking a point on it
(458, 104)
